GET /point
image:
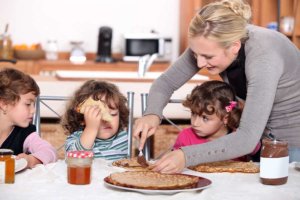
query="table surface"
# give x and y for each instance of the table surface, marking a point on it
(50, 182)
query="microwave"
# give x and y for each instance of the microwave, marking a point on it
(137, 45)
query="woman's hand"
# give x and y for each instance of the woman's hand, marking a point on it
(144, 127)
(31, 160)
(172, 162)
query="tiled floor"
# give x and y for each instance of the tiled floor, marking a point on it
(164, 138)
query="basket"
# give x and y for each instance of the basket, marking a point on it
(29, 54)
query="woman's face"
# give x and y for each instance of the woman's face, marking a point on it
(211, 55)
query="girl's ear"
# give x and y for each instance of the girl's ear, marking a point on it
(3, 106)
(225, 119)
(235, 47)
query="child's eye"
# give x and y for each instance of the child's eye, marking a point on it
(205, 118)
(208, 57)
(116, 113)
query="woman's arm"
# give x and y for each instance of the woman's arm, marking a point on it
(263, 74)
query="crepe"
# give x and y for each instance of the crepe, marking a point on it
(227, 166)
(152, 180)
(130, 164)
(91, 102)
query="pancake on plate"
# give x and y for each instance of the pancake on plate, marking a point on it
(227, 166)
(152, 180)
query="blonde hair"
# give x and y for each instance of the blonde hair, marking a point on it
(223, 21)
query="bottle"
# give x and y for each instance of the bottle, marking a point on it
(79, 167)
(7, 166)
(6, 48)
(274, 162)
(52, 50)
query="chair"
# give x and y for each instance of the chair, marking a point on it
(144, 97)
(41, 100)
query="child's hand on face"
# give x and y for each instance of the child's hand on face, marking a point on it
(92, 118)
(31, 160)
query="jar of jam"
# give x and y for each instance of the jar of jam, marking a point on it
(274, 162)
(7, 166)
(79, 167)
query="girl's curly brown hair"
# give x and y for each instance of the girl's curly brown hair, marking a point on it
(73, 121)
(212, 97)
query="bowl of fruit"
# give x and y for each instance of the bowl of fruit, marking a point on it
(29, 52)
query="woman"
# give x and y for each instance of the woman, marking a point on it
(262, 65)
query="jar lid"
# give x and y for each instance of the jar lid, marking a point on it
(80, 154)
(6, 152)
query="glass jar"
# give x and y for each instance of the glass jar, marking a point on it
(52, 50)
(79, 167)
(7, 166)
(6, 47)
(274, 162)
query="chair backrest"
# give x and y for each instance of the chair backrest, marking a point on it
(144, 97)
(41, 100)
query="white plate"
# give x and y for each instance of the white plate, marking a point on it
(20, 164)
(202, 184)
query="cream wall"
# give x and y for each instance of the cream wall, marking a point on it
(33, 21)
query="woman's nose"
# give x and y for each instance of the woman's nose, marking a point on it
(201, 61)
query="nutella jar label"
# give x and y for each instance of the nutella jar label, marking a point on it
(274, 167)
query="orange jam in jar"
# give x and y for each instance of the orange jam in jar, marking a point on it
(7, 166)
(79, 167)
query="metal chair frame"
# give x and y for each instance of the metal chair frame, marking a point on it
(144, 98)
(41, 100)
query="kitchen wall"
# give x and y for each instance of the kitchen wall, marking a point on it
(36, 21)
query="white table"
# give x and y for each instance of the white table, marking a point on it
(50, 182)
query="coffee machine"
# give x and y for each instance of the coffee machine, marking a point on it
(104, 45)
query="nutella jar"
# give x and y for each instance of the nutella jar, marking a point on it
(79, 167)
(274, 162)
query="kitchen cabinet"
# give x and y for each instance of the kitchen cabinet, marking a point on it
(263, 13)
(267, 11)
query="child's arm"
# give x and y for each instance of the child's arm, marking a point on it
(92, 118)
(40, 149)
(73, 142)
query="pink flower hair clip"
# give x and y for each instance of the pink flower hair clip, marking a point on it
(231, 106)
